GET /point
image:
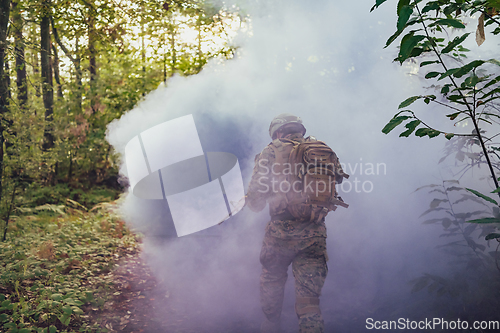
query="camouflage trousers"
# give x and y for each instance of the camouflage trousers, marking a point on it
(308, 258)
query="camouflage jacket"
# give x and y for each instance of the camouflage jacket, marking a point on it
(259, 193)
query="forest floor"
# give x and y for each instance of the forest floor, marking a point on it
(66, 269)
(70, 270)
(140, 304)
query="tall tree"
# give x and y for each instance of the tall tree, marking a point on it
(76, 60)
(17, 23)
(47, 88)
(92, 37)
(57, 77)
(172, 43)
(4, 20)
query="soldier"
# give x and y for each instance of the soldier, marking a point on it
(296, 233)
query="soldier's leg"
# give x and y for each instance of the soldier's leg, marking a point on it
(275, 259)
(310, 270)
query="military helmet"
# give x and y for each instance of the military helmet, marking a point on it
(285, 119)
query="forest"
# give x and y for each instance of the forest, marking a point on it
(78, 79)
(67, 69)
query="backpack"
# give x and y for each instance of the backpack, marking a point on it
(309, 169)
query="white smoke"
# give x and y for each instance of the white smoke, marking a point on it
(323, 61)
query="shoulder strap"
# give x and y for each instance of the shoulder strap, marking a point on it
(282, 149)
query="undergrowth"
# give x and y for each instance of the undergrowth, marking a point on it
(55, 267)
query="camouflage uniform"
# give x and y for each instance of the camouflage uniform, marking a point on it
(289, 241)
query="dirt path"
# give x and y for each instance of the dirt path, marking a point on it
(139, 304)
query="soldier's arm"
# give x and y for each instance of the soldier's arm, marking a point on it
(259, 188)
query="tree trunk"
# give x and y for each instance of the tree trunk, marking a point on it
(9, 122)
(6, 79)
(35, 61)
(78, 78)
(143, 53)
(56, 73)
(92, 60)
(164, 44)
(198, 68)
(172, 44)
(75, 59)
(21, 82)
(47, 89)
(4, 20)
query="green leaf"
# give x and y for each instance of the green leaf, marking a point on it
(421, 132)
(497, 190)
(52, 329)
(377, 3)
(482, 196)
(404, 16)
(472, 80)
(433, 133)
(452, 116)
(467, 68)
(446, 88)
(495, 80)
(411, 127)
(71, 301)
(493, 235)
(393, 38)
(77, 310)
(65, 319)
(408, 43)
(448, 73)
(401, 5)
(430, 6)
(408, 101)
(393, 123)
(494, 61)
(449, 22)
(456, 41)
(57, 297)
(486, 220)
(449, 135)
(12, 326)
(430, 75)
(425, 63)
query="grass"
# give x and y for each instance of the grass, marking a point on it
(55, 267)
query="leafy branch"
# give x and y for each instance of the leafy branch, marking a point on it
(466, 91)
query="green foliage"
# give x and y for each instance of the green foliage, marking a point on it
(37, 195)
(54, 269)
(472, 277)
(107, 58)
(393, 123)
(473, 92)
(485, 197)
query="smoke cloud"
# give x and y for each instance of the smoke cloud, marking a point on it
(323, 61)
